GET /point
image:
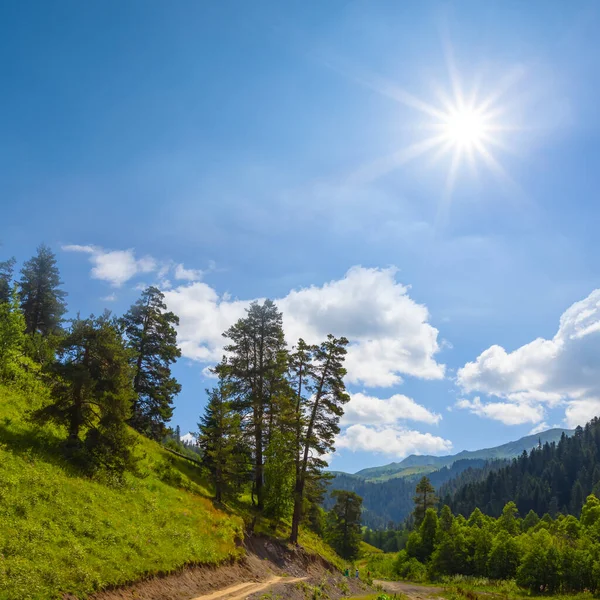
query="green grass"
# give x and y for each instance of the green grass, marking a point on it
(470, 588)
(61, 532)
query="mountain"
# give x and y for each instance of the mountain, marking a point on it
(553, 478)
(189, 438)
(392, 500)
(388, 491)
(423, 464)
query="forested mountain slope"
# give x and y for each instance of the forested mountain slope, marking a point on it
(392, 500)
(551, 478)
(420, 464)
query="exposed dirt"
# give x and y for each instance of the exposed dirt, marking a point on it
(412, 590)
(243, 590)
(269, 567)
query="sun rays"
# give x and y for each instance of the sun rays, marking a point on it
(461, 129)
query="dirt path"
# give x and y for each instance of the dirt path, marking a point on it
(412, 590)
(243, 590)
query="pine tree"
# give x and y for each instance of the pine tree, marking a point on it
(151, 336)
(425, 498)
(6, 277)
(344, 529)
(92, 393)
(279, 475)
(318, 415)
(254, 372)
(223, 450)
(42, 300)
(12, 337)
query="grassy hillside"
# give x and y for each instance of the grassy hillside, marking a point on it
(427, 464)
(61, 532)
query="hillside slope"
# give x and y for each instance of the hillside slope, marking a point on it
(64, 533)
(392, 499)
(425, 463)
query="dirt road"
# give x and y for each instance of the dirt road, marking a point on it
(412, 590)
(243, 590)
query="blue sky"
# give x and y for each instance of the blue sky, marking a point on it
(232, 151)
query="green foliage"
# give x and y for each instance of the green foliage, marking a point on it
(151, 336)
(279, 476)
(92, 393)
(224, 453)
(6, 277)
(343, 531)
(42, 300)
(424, 499)
(13, 363)
(62, 532)
(552, 478)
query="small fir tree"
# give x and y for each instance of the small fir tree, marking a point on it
(220, 440)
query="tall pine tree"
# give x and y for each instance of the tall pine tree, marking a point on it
(42, 300)
(318, 374)
(425, 498)
(6, 277)
(151, 336)
(254, 371)
(344, 533)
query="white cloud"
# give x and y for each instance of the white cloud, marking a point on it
(114, 266)
(509, 413)
(109, 298)
(394, 441)
(579, 412)
(389, 332)
(564, 369)
(542, 427)
(377, 411)
(187, 274)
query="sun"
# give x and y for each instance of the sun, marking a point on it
(465, 128)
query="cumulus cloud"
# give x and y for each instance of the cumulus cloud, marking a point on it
(390, 334)
(579, 412)
(509, 413)
(561, 370)
(114, 266)
(378, 411)
(395, 441)
(187, 274)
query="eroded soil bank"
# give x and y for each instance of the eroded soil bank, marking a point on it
(269, 567)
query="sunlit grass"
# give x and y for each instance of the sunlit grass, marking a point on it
(61, 532)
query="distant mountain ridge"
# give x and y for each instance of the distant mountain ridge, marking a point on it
(424, 463)
(388, 491)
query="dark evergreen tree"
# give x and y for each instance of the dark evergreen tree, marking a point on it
(6, 277)
(552, 479)
(92, 393)
(255, 374)
(221, 442)
(344, 532)
(42, 300)
(424, 499)
(152, 339)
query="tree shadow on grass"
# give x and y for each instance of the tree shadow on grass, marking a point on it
(37, 444)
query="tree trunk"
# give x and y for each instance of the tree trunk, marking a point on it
(297, 516)
(258, 469)
(298, 496)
